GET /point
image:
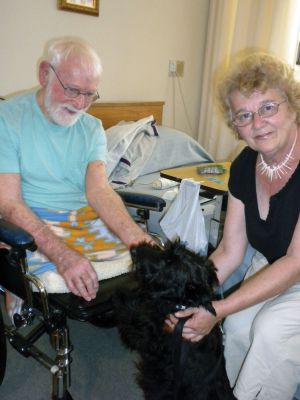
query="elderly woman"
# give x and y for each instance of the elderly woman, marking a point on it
(260, 100)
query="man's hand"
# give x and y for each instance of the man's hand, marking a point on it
(140, 237)
(110, 208)
(77, 271)
(79, 275)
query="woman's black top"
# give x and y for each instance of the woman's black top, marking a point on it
(272, 236)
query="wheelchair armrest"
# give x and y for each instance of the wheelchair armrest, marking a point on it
(142, 200)
(15, 236)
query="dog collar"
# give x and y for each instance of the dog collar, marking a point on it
(180, 307)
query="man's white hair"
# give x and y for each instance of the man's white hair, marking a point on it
(60, 50)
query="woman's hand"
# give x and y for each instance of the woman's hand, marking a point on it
(200, 323)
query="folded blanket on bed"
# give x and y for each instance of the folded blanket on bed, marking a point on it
(83, 231)
(129, 145)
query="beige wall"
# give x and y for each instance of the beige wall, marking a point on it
(134, 38)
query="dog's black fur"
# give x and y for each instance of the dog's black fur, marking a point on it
(169, 279)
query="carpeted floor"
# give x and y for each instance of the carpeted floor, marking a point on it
(101, 369)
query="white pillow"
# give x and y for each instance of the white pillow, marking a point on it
(174, 148)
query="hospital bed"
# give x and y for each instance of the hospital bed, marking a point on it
(166, 148)
(48, 313)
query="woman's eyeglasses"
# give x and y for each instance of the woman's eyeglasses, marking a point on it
(266, 110)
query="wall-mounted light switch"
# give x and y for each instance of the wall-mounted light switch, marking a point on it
(176, 68)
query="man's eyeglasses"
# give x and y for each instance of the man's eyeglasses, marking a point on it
(266, 110)
(74, 92)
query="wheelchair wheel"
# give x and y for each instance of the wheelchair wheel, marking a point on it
(67, 396)
(3, 354)
(104, 320)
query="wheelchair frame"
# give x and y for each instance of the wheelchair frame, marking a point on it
(51, 311)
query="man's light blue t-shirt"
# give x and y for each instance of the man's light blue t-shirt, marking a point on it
(52, 160)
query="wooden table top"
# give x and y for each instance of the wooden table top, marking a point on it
(215, 182)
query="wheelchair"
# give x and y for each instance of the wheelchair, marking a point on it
(48, 313)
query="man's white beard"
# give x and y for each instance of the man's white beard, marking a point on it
(61, 113)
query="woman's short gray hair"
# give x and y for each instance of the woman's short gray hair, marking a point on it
(258, 71)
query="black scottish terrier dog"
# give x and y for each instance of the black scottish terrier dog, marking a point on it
(171, 368)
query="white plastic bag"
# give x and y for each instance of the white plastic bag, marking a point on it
(185, 220)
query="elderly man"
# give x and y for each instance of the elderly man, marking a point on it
(52, 167)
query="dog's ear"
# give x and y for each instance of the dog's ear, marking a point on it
(143, 249)
(211, 274)
(148, 261)
(201, 284)
(210, 308)
(210, 282)
(195, 262)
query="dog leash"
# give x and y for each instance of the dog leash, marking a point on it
(178, 357)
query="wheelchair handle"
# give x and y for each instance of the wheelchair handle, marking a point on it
(15, 236)
(142, 200)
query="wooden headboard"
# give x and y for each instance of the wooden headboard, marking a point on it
(112, 113)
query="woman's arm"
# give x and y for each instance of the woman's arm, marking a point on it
(264, 285)
(227, 257)
(231, 250)
(268, 282)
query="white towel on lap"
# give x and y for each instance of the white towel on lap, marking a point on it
(54, 283)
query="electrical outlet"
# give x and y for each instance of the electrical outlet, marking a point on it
(172, 68)
(179, 68)
(176, 68)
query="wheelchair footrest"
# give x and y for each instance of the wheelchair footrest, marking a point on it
(79, 309)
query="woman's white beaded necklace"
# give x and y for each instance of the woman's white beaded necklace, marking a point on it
(276, 171)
